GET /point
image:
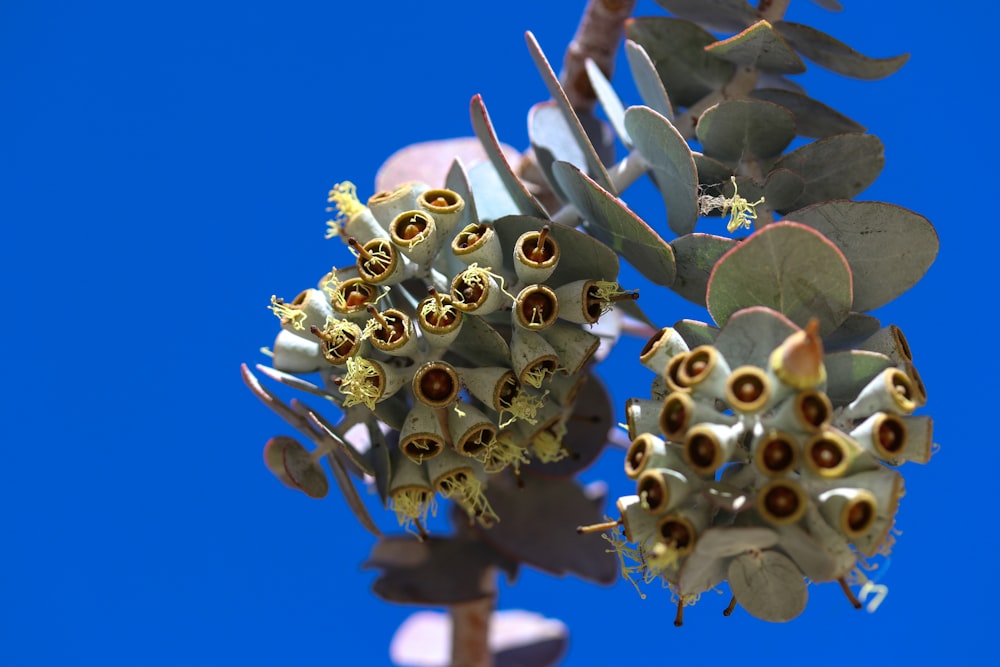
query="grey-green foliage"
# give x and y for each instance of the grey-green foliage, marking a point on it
(722, 130)
(714, 131)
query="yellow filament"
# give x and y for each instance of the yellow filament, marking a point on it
(477, 275)
(662, 558)
(465, 489)
(501, 453)
(344, 197)
(357, 386)
(331, 287)
(536, 376)
(742, 212)
(374, 325)
(439, 306)
(525, 406)
(378, 259)
(547, 445)
(607, 292)
(288, 314)
(413, 504)
(630, 559)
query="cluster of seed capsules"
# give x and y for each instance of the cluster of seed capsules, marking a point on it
(751, 473)
(468, 339)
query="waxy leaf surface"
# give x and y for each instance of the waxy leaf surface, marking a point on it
(788, 267)
(745, 129)
(677, 48)
(696, 255)
(761, 47)
(888, 247)
(837, 167)
(647, 80)
(611, 223)
(836, 56)
(812, 119)
(669, 158)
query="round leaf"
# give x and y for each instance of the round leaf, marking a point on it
(889, 248)
(745, 129)
(768, 585)
(613, 224)
(787, 267)
(293, 464)
(837, 167)
(671, 163)
(695, 255)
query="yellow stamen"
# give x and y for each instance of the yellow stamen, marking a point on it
(626, 553)
(466, 490)
(412, 506)
(525, 406)
(344, 198)
(607, 292)
(742, 212)
(501, 453)
(357, 384)
(547, 445)
(288, 314)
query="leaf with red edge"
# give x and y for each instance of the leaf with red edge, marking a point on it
(294, 465)
(538, 521)
(788, 267)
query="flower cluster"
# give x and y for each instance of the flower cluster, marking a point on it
(466, 338)
(765, 463)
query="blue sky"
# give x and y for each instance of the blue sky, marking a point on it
(163, 170)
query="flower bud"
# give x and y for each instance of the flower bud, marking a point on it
(535, 307)
(422, 437)
(573, 345)
(704, 371)
(661, 348)
(415, 234)
(536, 255)
(436, 384)
(387, 205)
(478, 244)
(648, 452)
(663, 489)
(707, 446)
(889, 391)
(680, 411)
(295, 354)
(798, 361)
(445, 206)
(776, 453)
(781, 502)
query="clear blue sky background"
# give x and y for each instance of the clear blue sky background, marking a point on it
(163, 171)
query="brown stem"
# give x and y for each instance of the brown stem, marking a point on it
(597, 38)
(470, 628)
